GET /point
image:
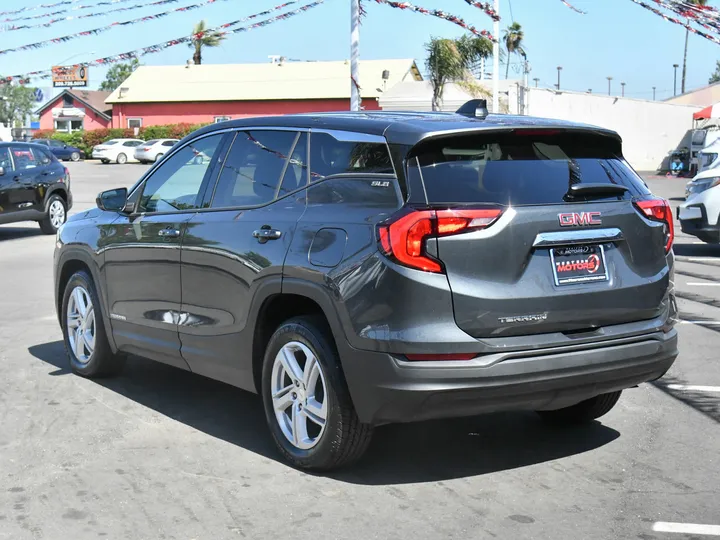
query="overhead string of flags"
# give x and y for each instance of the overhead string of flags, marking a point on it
(28, 9)
(137, 53)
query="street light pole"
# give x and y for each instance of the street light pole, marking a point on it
(609, 85)
(559, 69)
(623, 88)
(536, 81)
(675, 66)
(653, 93)
(355, 99)
(496, 61)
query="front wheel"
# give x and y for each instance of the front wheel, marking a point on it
(75, 156)
(86, 342)
(585, 411)
(307, 404)
(55, 216)
(122, 159)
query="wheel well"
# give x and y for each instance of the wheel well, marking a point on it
(276, 310)
(62, 194)
(68, 270)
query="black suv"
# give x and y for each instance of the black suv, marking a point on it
(34, 186)
(370, 268)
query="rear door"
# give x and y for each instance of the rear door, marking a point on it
(8, 184)
(30, 177)
(556, 258)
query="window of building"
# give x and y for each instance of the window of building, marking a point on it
(68, 102)
(134, 123)
(252, 170)
(68, 126)
(219, 119)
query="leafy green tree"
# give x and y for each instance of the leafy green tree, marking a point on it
(202, 37)
(16, 103)
(513, 37)
(687, 35)
(451, 60)
(118, 74)
(715, 77)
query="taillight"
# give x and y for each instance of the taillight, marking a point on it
(659, 210)
(404, 238)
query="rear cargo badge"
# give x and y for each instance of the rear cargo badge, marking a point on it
(538, 317)
(577, 219)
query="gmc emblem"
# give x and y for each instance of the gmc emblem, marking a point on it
(576, 219)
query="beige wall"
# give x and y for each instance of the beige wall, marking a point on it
(650, 129)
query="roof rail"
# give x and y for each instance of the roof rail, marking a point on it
(475, 108)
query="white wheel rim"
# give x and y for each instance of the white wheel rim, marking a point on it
(122, 158)
(57, 214)
(299, 395)
(81, 324)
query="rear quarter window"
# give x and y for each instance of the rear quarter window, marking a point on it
(514, 169)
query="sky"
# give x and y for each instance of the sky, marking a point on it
(615, 38)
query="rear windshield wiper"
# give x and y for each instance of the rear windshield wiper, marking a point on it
(595, 190)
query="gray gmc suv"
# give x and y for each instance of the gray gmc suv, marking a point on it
(358, 269)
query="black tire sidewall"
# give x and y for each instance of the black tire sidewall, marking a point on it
(312, 337)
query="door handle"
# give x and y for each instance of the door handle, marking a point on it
(263, 235)
(169, 233)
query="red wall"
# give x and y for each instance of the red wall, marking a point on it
(91, 122)
(154, 114)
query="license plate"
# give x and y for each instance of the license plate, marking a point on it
(692, 212)
(578, 264)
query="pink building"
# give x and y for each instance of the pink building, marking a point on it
(75, 110)
(157, 95)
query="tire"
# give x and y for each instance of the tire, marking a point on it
(121, 159)
(343, 439)
(583, 412)
(75, 156)
(105, 161)
(86, 361)
(55, 215)
(158, 157)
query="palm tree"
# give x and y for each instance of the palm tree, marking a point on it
(450, 60)
(687, 35)
(513, 37)
(204, 38)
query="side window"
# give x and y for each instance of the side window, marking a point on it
(56, 144)
(252, 170)
(169, 143)
(27, 158)
(44, 156)
(176, 184)
(5, 161)
(329, 156)
(296, 172)
(132, 143)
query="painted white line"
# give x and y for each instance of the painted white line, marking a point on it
(698, 243)
(700, 259)
(693, 388)
(706, 323)
(700, 284)
(686, 528)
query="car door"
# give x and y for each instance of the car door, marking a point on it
(59, 149)
(142, 253)
(29, 178)
(237, 247)
(8, 185)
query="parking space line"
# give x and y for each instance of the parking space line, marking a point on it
(686, 528)
(693, 388)
(708, 323)
(699, 284)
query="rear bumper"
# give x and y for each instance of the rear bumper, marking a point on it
(699, 227)
(386, 389)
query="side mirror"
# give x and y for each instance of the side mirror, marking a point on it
(2, 171)
(114, 200)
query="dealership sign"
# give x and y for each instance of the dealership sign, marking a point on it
(69, 76)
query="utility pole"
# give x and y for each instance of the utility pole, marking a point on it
(653, 93)
(609, 85)
(559, 69)
(496, 61)
(623, 88)
(355, 99)
(675, 66)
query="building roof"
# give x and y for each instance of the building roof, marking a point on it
(266, 81)
(700, 97)
(93, 99)
(406, 128)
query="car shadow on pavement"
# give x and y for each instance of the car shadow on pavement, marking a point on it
(14, 233)
(399, 454)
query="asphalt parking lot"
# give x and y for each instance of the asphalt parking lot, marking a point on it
(160, 453)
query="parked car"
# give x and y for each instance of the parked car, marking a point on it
(154, 150)
(118, 150)
(61, 150)
(34, 186)
(364, 269)
(699, 215)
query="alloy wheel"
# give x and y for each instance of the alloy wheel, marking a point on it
(57, 214)
(299, 395)
(81, 324)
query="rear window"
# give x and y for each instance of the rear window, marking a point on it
(513, 169)
(150, 143)
(108, 143)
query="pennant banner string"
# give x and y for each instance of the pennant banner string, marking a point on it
(438, 13)
(57, 19)
(486, 7)
(137, 53)
(106, 28)
(576, 10)
(713, 38)
(28, 9)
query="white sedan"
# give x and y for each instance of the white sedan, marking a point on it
(154, 150)
(117, 150)
(699, 215)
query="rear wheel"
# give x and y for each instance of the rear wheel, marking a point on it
(55, 216)
(105, 161)
(585, 411)
(122, 159)
(75, 156)
(84, 334)
(158, 157)
(307, 404)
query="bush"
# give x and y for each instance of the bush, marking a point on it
(86, 140)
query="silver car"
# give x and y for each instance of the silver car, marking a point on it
(154, 150)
